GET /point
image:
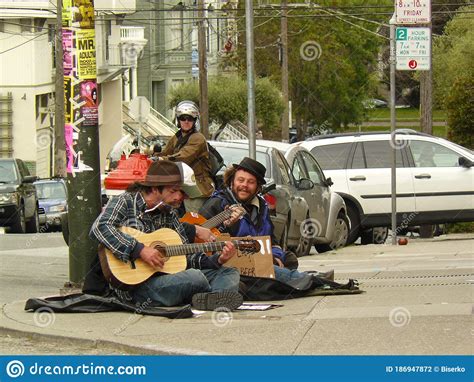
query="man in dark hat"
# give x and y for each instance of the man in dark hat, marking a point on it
(149, 205)
(242, 184)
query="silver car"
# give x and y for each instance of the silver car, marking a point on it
(303, 212)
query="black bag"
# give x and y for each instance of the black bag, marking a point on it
(87, 303)
(261, 289)
(217, 162)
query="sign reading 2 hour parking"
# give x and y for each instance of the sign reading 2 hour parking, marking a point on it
(413, 48)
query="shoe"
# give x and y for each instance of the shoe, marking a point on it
(215, 300)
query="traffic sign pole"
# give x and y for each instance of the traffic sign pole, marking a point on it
(392, 130)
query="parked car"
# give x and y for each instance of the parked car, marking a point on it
(52, 198)
(295, 202)
(18, 200)
(434, 178)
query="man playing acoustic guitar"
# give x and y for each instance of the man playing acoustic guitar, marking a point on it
(148, 206)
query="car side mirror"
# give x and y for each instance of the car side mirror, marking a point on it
(464, 162)
(30, 179)
(268, 187)
(304, 184)
(329, 182)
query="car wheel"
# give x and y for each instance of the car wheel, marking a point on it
(65, 228)
(19, 225)
(376, 235)
(32, 226)
(427, 231)
(354, 218)
(305, 243)
(341, 235)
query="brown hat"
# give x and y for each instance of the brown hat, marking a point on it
(162, 173)
(168, 173)
(252, 166)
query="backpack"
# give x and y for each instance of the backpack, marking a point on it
(217, 162)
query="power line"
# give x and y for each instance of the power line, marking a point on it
(26, 42)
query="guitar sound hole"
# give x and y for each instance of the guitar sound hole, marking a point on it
(160, 247)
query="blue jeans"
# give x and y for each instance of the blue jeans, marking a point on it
(285, 274)
(179, 288)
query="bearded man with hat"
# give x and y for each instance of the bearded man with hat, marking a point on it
(242, 184)
(149, 205)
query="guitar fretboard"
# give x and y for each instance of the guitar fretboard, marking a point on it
(218, 219)
(186, 249)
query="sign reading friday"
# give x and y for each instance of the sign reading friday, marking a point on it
(413, 48)
(412, 11)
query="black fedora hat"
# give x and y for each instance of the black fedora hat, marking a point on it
(252, 166)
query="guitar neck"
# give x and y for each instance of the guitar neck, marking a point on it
(218, 219)
(186, 249)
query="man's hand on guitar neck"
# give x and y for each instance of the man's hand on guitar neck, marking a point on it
(152, 257)
(227, 253)
(237, 212)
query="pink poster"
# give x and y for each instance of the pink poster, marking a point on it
(68, 56)
(70, 153)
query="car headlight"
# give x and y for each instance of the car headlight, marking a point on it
(57, 208)
(8, 197)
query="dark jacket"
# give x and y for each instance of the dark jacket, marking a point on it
(244, 227)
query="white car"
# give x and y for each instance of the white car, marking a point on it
(435, 180)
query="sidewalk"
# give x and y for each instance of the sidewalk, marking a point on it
(418, 300)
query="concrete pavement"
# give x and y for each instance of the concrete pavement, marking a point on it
(418, 300)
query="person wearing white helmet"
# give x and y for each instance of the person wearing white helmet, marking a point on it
(188, 145)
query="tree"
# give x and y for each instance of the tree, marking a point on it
(330, 89)
(228, 100)
(452, 55)
(460, 109)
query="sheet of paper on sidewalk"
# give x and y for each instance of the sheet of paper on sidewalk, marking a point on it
(259, 264)
(250, 306)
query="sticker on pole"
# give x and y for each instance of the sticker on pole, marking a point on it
(413, 48)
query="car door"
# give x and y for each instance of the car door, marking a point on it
(441, 184)
(286, 188)
(27, 190)
(369, 177)
(318, 197)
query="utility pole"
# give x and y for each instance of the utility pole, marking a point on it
(250, 77)
(284, 71)
(81, 132)
(202, 47)
(393, 143)
(426, 92)
(59, 155)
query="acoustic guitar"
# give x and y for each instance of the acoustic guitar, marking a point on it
(169, 243)
(212, 223)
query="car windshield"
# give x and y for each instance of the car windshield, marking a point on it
(50, 190)
(236, 154)
(7, 172)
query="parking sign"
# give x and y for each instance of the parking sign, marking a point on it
(413, 48)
